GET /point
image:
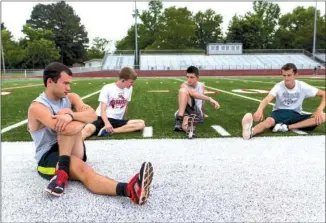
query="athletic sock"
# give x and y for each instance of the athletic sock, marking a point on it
(121, 190)
(64, 162)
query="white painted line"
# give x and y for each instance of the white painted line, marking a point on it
(299, 132)
(269, 82)
(148, 132)
(25, 121)
(220, 130)
(246, 80)
(13, 126)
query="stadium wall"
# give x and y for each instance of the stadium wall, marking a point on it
(177, 73)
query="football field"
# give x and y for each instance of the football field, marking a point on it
(274, 177)
(155, 101)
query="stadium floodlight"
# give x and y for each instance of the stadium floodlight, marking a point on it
(136, 36)
(3, 57)
(315, 25)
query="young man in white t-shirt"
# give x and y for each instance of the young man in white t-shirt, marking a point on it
(287, 111)
(112, 110)
(191, 99)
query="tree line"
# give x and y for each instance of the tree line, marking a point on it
(54, 32)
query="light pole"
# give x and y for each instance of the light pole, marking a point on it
(315, 25)
(3, 57)
(136, 37)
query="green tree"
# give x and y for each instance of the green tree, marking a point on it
(69, 34)
(256, 30)
(176, 30)
(3, 26)
(40, 47)
(14, 55)
(98, 49)
(296, 30)
(146, 30)
(208, 28)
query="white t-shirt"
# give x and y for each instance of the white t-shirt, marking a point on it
(292, 98)
(116, 100)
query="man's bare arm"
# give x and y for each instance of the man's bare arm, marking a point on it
(42, 114)
(82, 112)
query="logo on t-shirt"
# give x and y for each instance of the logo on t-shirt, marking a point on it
(289, 99)
(119, 102)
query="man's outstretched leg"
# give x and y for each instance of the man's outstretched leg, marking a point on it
(131, 126)
(247, 126)
(137, 189)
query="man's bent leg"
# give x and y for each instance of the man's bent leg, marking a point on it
(59, 180)
(306, 123)
(183, 99)
(131, 126)
(88, 130)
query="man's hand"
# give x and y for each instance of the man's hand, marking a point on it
(258, 116)
(215, 104)
(108, 127)
(318, 115)
(62, 121)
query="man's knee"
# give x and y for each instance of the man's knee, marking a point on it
(183, 91)
(269, 122)
(140, 124)
(89, 129)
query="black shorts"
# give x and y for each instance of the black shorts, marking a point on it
(116, 123)
(288, 117)
(190, 109)
(48, 162)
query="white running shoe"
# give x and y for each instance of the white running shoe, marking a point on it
(247, 121)
(280, 127)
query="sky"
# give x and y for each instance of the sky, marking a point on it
(111, 20)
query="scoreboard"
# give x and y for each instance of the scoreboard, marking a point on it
(224, 48)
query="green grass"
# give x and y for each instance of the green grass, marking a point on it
(157, 109)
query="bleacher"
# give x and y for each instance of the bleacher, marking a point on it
(321, 56)
(116, 62)
(225, 62)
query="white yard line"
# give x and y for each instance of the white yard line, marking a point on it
(231, 79)
(264, 82)
(25, 121)
(148, 132)
(220, 130)
(300, 132)
(24, 86)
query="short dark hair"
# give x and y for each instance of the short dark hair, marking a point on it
(193, 70)
(290, 66)
(53, 71)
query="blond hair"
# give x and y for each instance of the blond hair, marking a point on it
(127, 73)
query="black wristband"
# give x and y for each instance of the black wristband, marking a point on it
(72, 117)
